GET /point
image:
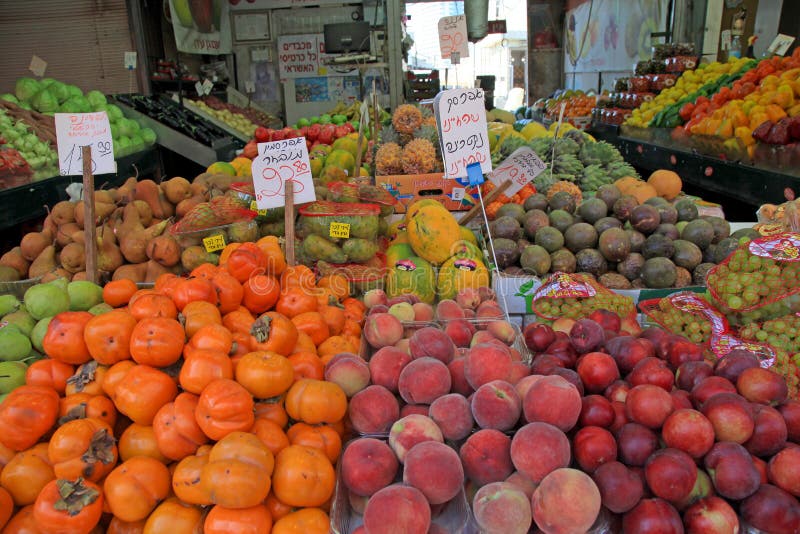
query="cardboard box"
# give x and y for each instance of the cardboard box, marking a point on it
(408, 188)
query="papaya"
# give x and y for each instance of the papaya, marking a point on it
(459, 273)
(432, 232)
(412, 275)
(418, 205)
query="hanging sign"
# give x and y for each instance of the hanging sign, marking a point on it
(298, 56)
(37, 66)
(522, 166)
(453, 36)
(76, 130)
(201, 27)
(461, 120)
(279, 163)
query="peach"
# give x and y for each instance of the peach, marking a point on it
(351, 373)
(373, 409)
(649, 405)
(468, 298)
(596, 410)
(469, 313)
(783, 470)
(460, 332)
(519, 370)
(397, 508)
(431, 342)
(382, 330)
(711, 514)
(459, 382)
(539, 448)
(525, 384)
(378, 308)
(670, 474)
(522, 483)
(563, 324)
(404, 311)
(368, 465)
(731, 416)
(435, 469)
(385, 366)
(423, 312)
(373, 297)
(516, 356)
(403, 346)
(488, 311)
(420, 409)
(597, 371)
(486, 456)
(594, 446)
(448, 309)
(732, 470)
(653, 515)
(620, 488)
(501, 508)
(553, 400)
(502, 330)
(424, 380)
(486, 362)
(497, 405)
(708, 387)
(453, 415)
(790, 410)
(635, 444)
(411, 430)
(567, 500)
(487, 294)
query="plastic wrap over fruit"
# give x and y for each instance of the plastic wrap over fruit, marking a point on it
(576, 296)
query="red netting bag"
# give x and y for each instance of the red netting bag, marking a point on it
(14, 170)
(760, 280)
(576, 296)
(367, 193)
(686, 314)
(219, 211)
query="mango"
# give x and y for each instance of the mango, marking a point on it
(83, 295)
(14, 345)
(47, 300)
(38, 333)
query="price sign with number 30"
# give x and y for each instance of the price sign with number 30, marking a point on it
(76, 130)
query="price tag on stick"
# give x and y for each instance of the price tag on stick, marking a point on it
(461, 120)
(453, 37)
(76, 130)
(522, 166)
(278, 164)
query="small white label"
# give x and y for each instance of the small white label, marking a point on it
(208, 85)
(249, 86)
(76, 130)
(725, 40)
(130, 60)
(175, 97)
(279, 163)
(458, 193)
(780, 44)
(37, 66)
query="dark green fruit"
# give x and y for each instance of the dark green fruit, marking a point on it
(592, 210)
(609, 194)
(725, 248)
(645, 218)
(683, 278)
(668, 230)
(624, 206)
(668, 213)
(631, 267)
(505, 227)
(562, 261)
(522, 244)
(614, 244)
(656, 202)
(505, 251)
(561, 220)
(659, 273)
(589, 260)
(535, 260)
(658, 246)
(722, 228)
(699, 232)
(687, 210)
(687, 254)
(746, 232)
(580, 236)
(536, 202)
(605, 223)
(534, 220)
(614, 281)
(563, 201)
(636, 238)
(700, 273)
(549, 238)
(512, 210)
(710, 254)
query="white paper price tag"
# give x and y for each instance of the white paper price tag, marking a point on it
(37, 66)
(208, 85)
(780, 44)
(249, 87)
(76, 130)
(130, 60)
(453, 37)
(461, 119)
(279, 163)
(522, 166)
(458, 193)
(199, 88)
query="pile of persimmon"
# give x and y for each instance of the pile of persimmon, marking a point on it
(197, 406)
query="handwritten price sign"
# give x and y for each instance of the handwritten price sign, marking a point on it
(522, 166)
(76, 130)
(461, 119)
(280, 163)
(453, 37)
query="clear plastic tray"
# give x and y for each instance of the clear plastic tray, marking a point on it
(454, 516)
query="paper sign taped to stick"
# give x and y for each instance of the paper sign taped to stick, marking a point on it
(453, 36)
(461, 120)
(279, 163)
(76, 130)
(522, 166)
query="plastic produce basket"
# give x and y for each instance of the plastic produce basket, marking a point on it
(18, 287)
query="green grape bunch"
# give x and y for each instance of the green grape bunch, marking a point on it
(782, 333)
(580, 307)
(695, 328)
